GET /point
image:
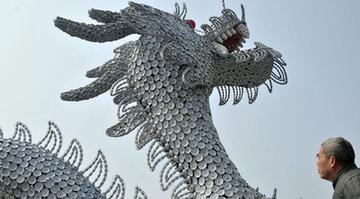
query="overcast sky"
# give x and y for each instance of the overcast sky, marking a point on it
(273, 142)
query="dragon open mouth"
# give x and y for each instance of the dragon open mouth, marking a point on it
(233, 39)
(228, 30)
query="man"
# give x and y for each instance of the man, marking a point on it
(336, 164)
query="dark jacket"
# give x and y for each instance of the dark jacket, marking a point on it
(347, 183)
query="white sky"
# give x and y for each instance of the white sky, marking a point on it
(273, 142)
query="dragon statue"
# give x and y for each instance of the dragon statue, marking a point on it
(29, 170)
(161, 84)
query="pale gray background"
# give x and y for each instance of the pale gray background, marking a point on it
(273, 142)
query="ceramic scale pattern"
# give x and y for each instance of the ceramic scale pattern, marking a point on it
(29, 170)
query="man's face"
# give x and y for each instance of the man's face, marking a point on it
(325, 165)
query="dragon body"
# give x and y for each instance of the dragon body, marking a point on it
(162, 83)
(38, 170)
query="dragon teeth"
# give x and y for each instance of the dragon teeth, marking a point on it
(228, 33)
(224, 36)
(219, 40)
(238, 28)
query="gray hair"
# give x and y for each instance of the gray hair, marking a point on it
(341, 149)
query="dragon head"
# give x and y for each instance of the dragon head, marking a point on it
(213, 59)
(234, 69)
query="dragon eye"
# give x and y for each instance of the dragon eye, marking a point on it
(191, 23)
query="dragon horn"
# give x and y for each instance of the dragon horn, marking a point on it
(242, 13)
(95, 33)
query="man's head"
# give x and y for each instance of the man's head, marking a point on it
(334, 154)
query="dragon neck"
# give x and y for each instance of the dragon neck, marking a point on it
(194, 148)
(178, 119)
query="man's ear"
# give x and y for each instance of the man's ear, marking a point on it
(332, 161)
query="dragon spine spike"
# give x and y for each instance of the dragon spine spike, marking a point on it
(177, 10)
(53, 136)
(126, 104)
(224, 94)
(145, 134)
(181, 191)
(229, 13)
(1, 134)
(238, 93)
(22, 133)
(252, 94)
(216, 21)
(119, 86)
(269, 85)
(278, 74)
(129, 119)
(73, 155)
(155, 150)
(139, 193)
(242, 13)
(221, 94)
(228, 91)
(243, 57)
(123, 95)
(183, 12)
(274, 194)
(259, 55)
(169, 175)
(155, 155)
(223, 4)
(170, 172)
(116, 190)
(275, 54)
(281, 61)
(207, 29)
(99, 168)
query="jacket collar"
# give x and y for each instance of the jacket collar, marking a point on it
(341, 172)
